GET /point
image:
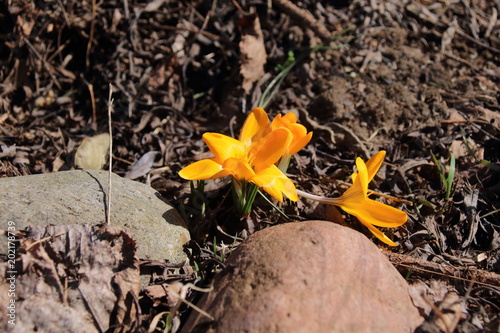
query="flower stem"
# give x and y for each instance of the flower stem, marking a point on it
(251, 192)
(244, 194)
(317, 197)
(284, 162)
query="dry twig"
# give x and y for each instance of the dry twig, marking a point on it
(307, 18)
(110, 109)
(458, 273)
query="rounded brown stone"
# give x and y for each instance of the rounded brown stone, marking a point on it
(310, 276)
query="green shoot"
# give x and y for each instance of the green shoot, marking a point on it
(244, 194)
(196, 267)
(234, 244)
(490, 165)
(408, 274)
(426, 203)
(274, 85)
(214, 248)
(274, 206)
(214, 245)
(470, 151)
(194, 211)
(451, 176)
(490, 213)
(272, 88)
(168, 324)
(446, 179)
(467, 144)
(199, 95)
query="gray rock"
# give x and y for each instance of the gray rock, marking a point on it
(313, 276)
(79, 197)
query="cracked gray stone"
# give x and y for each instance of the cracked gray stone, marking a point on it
(80, 197)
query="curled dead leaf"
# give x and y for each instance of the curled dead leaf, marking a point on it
(252, 50)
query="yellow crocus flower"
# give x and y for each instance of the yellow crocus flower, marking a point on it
(249, 159)
(355, 200)
(257, 126)
(300, 136)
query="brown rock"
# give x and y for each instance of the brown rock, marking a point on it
(310, 276)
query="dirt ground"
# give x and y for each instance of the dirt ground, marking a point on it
(419, 79)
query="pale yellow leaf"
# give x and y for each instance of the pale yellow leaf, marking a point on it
(93, 152)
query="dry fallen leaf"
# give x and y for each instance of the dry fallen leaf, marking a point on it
(421, 294)
(142, 166)
(252, 50)
(493, 117)
(93, 152)
(451, 312)
(153, 5)
(86, 280)
(448, 35)
(7, 151)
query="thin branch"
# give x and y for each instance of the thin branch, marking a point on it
(110, 109)
(91, 35)
(302, 15)
(424, 267)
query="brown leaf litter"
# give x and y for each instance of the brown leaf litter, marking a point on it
(82, 278)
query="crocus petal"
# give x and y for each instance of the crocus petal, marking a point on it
(283, 121)
(300, 138)
(204, 169)
(269, 149)
(275, 182)
(279, 121)
(359, 188)
(374, 164)
(373, 212)
(288, 188)
(224, 147)
(290, 117)
(300, 135)
(355, 200)
(380, 235)
(238, 169)
(256, 121)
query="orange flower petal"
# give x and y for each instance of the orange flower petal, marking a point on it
(299, 142)
(373, 212)
(276, 183)
(238, 169)
(363, 177)
(374, 163)
(359, 188)
(380, 235)
(300, 135)
(204, 169)
(224, 147)
(290, 117)
(256, 121)
(269, 149)
(277, 123)
(369, 212)
(283, 121)
(288, 188)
